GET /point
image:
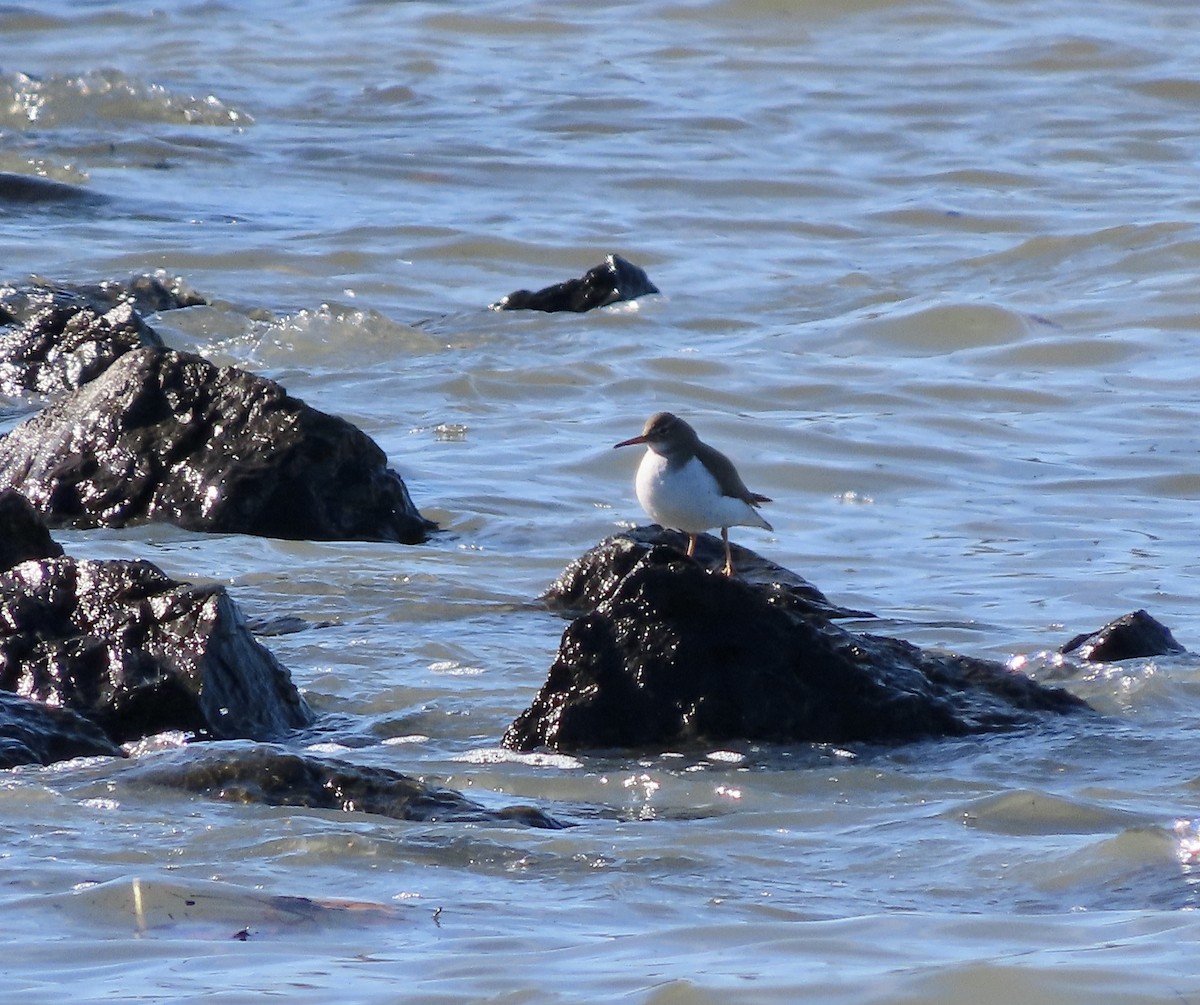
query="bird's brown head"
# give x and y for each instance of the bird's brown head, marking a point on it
(665, 434)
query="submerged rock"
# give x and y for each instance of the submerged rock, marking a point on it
(139, 654)
(673, 654)
(31, 190)
(32, 732)
(23, 533)
(273, 776)
(1128, 637)
(147, 294)
(57, 338)
(164, 435)
(612, 281)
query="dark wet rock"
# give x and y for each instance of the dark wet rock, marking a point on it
(147, 294)
(32, 732)
(674, 655)
(30, 190)
(96, 653)
(595, 575)
(168, 436)
(273, 776)
(54, 339)
(23, 533)
(1131, 636)
(612, 281)
(138, 654)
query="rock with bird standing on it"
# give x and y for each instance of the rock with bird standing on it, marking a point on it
(671, 656)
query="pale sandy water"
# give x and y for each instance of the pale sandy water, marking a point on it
(929, 273)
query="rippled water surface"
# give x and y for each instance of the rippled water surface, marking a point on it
(928, 273)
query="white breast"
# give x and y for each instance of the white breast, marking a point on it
(688, 498)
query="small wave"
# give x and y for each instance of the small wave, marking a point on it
(942, 329)
(1032, 812)
(106, 95)
(200, 909)
(308, 338)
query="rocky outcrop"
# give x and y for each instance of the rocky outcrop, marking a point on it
(56, 339)
(675, 655)
(271, 775)
(168, 436)
(610, 282)
(1131, 636)
(137, 653)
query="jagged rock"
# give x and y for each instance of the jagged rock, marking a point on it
(168, 436)
(23, 533)
(55, 339)
(138, 654)
(1128, 637)
(595, 575)
(271, 775)
(34, 733)
(612, 281)
(674, 655)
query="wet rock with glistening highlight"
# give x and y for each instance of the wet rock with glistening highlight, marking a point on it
(57, 338)
(592, 577)
(612, 281)
(137, 653)
(169, 436)
(1131, 636)
(675, 655)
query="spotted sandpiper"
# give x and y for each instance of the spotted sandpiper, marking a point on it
(685, 484)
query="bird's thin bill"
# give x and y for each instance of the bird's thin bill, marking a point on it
(630, 442)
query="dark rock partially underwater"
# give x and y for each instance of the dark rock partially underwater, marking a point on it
(32, 732)
(673, 654)
(138, 653)
(273, 776)
(96, 653)
(18, 189)
(57, 338)
(164, 435)
(610, 282)
(1131, 636)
